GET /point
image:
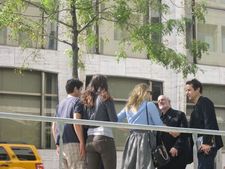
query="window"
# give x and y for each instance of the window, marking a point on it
(208, 34)
(24, 153)
(119, 88)
(120, 34)
(26, 93)
(33, 14)
(3, 35)
(3, 155)
(223, 39)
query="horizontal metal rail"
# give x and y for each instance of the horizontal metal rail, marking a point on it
(62, 121)
(18, 116)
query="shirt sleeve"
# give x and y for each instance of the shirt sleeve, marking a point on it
(78, 107)
(154, 114)
(210, 121)
(111, 111)
(121, 115)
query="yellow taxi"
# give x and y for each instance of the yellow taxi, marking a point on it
(19, 156)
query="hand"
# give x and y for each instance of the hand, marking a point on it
(174, 134)
(57, 150)
(82, 150)
(205, 148)
(173, 152)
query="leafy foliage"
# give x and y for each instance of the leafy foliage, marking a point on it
(81, 19)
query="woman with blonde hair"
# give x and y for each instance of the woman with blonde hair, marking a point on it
(137, 152)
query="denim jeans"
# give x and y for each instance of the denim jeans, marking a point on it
(206, 161)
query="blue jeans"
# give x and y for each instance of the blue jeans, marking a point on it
(206, 161)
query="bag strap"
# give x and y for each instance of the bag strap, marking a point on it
(158, 133)
(146, 107)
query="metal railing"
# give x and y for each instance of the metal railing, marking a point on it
(62, 121)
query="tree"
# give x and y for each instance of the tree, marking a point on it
(83, 18)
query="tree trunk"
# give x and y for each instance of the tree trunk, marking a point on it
(74, 46)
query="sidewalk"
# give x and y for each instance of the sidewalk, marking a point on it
(50, 159)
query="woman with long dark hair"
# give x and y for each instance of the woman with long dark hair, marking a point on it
(99, 105)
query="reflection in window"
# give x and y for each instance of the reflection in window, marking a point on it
(207, 33)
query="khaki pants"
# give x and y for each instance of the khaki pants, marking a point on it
(71, 157)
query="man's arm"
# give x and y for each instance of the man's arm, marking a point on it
(79, 132)
(54, 133)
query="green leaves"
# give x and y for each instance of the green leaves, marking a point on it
(143, 23)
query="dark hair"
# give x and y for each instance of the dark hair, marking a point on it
(97, 86)
(71, 84)
(195, 84)
(98, 83)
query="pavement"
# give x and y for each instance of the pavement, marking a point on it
(51, 161)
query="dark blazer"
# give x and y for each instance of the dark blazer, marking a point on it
(204, 117)
(175, 118)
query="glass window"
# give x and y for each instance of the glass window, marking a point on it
(223, 39)
(120, 34)
(26, 93)
(33, 16)
(208, 34)
(24, 153)
(3, 33)
(28, 81)
(3, 155)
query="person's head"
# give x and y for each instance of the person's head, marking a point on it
(163, 103)
(193, 90)
(98, 83)
(74, 87)
(97, 86)
(140, 93)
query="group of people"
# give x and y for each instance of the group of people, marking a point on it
(93, 147)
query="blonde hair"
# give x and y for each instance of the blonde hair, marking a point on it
(137, 96)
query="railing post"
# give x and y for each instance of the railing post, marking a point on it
(195, 157)
(60, 144)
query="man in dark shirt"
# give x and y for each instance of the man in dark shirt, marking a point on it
(203, 117)
(175, 143)
(73, 135)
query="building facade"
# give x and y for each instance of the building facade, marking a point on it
(38, 89)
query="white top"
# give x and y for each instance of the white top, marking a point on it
(105, 131)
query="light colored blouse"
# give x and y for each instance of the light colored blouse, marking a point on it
(140, 116)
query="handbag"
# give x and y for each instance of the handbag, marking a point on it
(160, 156)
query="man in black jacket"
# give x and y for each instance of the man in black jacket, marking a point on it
(203, 117)
(175, 143)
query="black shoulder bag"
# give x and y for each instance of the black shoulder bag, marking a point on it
(160, 156)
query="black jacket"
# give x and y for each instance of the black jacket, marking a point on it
(204, 117)
(174, 118)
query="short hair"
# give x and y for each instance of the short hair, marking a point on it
(195, 84)
(71, 84)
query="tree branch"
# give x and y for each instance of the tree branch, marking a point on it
(43, 9)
